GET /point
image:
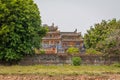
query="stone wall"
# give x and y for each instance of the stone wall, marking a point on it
(99, 59)
(66, 59)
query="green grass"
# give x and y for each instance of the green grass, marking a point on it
(59, 70)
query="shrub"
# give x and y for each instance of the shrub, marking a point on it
(92, 51)
(116, 64)
(73, 50)
(76, 61)
(42, 51)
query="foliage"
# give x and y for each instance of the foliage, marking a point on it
(103, 37)
(92, 51)
(113, 43)
(76, 61)
(73, 50)
(42, 51)
(116, 65)
(20, 29)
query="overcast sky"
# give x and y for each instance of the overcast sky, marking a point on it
(69, 15)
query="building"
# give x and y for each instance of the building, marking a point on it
(58, 42)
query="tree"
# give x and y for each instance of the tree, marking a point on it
(20, 29)
(111, 45)
(99, 37)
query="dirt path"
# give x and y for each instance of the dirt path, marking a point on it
(77, 77)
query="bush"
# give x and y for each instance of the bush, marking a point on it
(116, 64)
(73, 50)
(42, 51)
(92, 51)
(76, 61)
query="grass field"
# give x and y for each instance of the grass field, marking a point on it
(60, 70)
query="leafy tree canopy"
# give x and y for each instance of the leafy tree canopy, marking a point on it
(110, 45)
(20, 29)
(102, 36)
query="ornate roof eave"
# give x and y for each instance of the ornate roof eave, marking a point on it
(72, 40)
(46, 38)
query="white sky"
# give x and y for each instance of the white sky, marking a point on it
(69, 15)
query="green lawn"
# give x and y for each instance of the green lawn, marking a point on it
(59, 70)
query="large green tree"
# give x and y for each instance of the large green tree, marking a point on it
(102, 36)
(110, 45)
(20, 29)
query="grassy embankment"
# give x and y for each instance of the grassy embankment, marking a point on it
(60, 70)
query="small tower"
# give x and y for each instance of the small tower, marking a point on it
(75, 31)
(52, 24)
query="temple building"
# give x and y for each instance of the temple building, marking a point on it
(58, 42)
